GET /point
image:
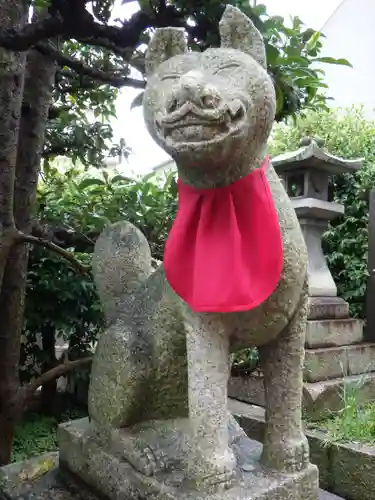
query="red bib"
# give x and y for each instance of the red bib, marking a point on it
(224, 252)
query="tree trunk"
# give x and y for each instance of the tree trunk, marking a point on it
(49, 389)
(12, 66)
(37, 96)
(13, 14)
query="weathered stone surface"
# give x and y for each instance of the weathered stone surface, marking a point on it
(361, 358)
(21, 476)
(62, 485)
(40, 479)
(353, 469)
(321, 308)
(325, 363)
(158, 389)
(320, 398)
(333, 332)
(345, 469)
(313, 216)
(325, 495)
(333, 362)
(249, 389)
(115, 479)
(252, 420)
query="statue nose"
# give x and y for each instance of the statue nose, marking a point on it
(191, 87)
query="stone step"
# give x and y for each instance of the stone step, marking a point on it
(320, 398)
(333, 362)
(324, 495)
(333, 332)
(328, 308)
(249, 389)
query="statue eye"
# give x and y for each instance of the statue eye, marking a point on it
(169, 77)
(226, 67)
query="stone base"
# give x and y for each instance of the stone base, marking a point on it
(249, 389)
(333, 332)
(115, 479)
(319, 398)
(327, 363)
(328, 308)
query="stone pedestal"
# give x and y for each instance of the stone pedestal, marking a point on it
(115, 479)
(313, 216)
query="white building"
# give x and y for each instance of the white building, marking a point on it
(350, 34)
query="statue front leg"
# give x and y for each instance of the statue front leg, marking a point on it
(285, 445)
(211, 462)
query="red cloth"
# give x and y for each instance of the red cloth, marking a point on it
(224, 252)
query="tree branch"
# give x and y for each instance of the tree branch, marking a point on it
(66, 237)
(79, 24)
(28, 238)
(114, 79)
(28, 390)
(31, 34)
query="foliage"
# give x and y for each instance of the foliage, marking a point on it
(245, 362)
(354, 422)
(37, 434)
(85, 204)
(347, 133)
(78, 126)
(292, 51)
(34, 435)
(59, 301)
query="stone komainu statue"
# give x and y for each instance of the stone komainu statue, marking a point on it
(234, 275)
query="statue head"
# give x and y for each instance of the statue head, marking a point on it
(210, 109)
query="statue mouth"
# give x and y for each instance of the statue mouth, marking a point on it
(191, 124)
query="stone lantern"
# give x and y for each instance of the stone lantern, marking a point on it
(336, 353)
(306, 173)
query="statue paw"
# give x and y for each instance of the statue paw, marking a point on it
(216, 473)
(144, 461)
(140, 455)
(215, 482)
(287, 456)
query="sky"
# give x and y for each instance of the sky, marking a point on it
(130, 125)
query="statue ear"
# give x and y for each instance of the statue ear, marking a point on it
(237, 31)
(165, 43)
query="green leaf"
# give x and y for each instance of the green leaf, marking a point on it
(332, 60)
(272, 54)
(120, 178)
(148, 177)
(90, 182)
(306, 35)
(259, 10)
(279, 99)
(312, 42)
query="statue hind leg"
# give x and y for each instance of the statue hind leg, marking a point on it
(285, 445)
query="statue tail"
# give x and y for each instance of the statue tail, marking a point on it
(121, 262)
